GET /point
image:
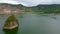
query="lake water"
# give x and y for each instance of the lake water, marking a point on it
(34, 24)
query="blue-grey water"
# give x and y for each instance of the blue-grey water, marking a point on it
(34, 24)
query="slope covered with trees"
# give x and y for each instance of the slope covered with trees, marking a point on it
(53, 8)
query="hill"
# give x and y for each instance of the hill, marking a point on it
(42, 8)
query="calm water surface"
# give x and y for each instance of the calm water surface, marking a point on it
(34, 24)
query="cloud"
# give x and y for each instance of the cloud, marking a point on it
(13, 2)
(35, 2)
(9, 1)
(31, 2)
(57, 1)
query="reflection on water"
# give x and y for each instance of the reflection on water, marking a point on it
(14, 31)
(34, 24)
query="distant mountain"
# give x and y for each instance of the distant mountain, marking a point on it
(11, 5)
(6, 8)
(51, 8)
(41, 6)
(38, 8)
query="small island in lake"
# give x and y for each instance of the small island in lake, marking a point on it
(11, 23)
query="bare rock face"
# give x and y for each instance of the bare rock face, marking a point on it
(11, 23)
(10, 9)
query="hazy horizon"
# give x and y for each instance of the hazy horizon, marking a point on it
(30, 2)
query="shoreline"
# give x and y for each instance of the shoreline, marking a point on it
(9, 28)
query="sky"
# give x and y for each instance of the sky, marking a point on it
(30, 2)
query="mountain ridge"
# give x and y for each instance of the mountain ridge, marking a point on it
(39, 8)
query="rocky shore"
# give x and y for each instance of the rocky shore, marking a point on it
(11, 23)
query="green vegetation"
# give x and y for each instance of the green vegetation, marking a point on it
(54, 8)
(42, 8)
(10, 19)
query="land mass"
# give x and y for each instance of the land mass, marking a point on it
(11, 23)
(6, 8)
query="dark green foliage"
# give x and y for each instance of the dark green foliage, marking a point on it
(11, 18)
